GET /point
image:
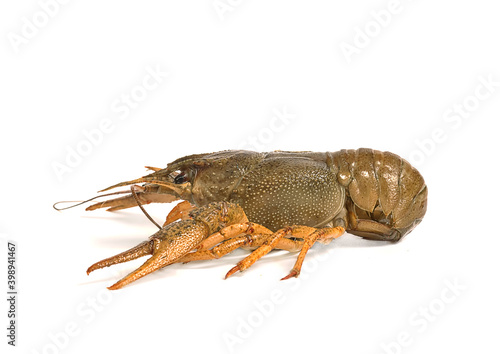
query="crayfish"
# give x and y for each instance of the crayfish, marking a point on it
(265, 201)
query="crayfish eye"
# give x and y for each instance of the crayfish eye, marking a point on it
(180, 178)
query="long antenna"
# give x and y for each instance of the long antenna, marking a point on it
(134, 194)
(85, 201)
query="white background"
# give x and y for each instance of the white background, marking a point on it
(230, 71)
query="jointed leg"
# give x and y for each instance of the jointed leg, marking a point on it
(227, 246)
(259, 252)
(180, 211)
(224, 248)
(325, 233)
(232, 231)
(309, 234)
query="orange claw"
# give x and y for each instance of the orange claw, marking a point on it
(175, 240)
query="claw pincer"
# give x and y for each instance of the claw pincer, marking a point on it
(175, 240)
